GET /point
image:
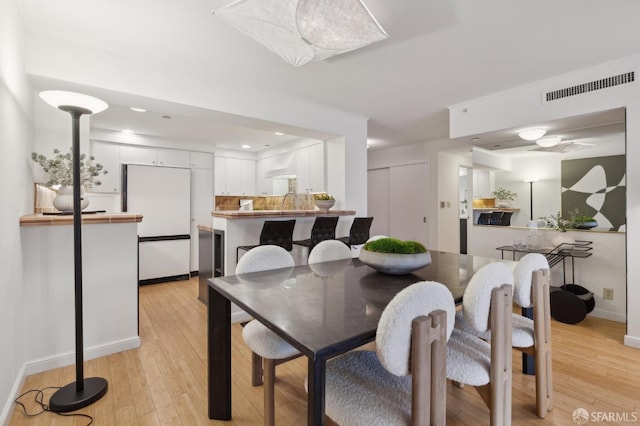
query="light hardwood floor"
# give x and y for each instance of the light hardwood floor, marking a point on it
(164, 381)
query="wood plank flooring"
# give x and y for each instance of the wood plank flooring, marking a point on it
(164, 381)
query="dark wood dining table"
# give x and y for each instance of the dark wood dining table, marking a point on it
(323, 310)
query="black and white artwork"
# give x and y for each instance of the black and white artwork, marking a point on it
(595, 187)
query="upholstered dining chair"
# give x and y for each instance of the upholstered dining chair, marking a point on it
(404, 381)
(487, 306)
(274, 232)
(359, 231)
(530, 336)
(328, 250)
(324, 228)
(266, 346)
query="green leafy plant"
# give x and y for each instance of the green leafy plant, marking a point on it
(504, 194)
(60, 169)
(323, 197)
(393, 245)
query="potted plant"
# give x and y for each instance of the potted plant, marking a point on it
(324, 201)
(503, 197)
(59, 169)
(393, 256)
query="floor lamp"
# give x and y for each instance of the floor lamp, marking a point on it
(530, 198)
(83, 391)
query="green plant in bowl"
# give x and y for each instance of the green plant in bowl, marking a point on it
(394, 256)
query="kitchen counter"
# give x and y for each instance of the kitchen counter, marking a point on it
(255, 214)
(39, 219)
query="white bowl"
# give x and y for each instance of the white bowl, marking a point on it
(395, 263)
(324, 204)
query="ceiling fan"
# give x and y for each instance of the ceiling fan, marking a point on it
(563, 147)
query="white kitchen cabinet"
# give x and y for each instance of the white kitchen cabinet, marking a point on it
(234, 176)
(201, 160)
(107, 154)
(264, 185)
(133, 154)
(310, 168)
(172, 157)
(201, 207)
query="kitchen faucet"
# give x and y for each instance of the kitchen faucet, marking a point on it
(295, 200)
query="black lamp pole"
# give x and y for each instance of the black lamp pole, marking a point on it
(531, 199)
(83, 391)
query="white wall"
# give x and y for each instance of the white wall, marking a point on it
(16, 144)
(523, 106)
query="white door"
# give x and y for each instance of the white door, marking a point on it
(378, 200)
(408, 202)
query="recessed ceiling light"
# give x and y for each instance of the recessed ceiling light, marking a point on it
(549, 141)
(475, 139)
(128, 131)
(138, 109)
(245, 146)
(279, 133)
(532, 134)
(168, 117)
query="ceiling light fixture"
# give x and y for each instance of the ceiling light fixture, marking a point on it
(279, 133)
(532, 134)
(300, 31)
(138, 109)
(128, 131)
(549, 141)
(245, 146)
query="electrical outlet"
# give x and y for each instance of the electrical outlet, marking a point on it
(607, 293)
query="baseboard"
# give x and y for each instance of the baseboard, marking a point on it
(68, 358)
(631, 341)
(608, 315)
(7, 410)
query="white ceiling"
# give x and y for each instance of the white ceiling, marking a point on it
(439, 53)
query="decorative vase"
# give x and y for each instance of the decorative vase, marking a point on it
(395, 263)
(324, 204)
(64, 200)
(503, 203)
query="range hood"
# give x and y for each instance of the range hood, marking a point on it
(281, 166)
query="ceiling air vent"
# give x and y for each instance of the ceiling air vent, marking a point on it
(615, 80)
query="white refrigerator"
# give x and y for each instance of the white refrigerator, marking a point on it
(163, 196)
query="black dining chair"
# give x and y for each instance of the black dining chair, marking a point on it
(324, 228)
(359, 232)
(274, 232)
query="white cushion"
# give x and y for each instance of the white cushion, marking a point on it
(521, 337)
(265, 342)
(264, 258)
(359, 391)
(476, 301)
(328, 250)
(522, 276)
(393, 338)
(468, 359)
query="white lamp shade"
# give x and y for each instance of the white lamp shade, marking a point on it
(300, 31)
(549, 141)
(58, 98)
(532, 134)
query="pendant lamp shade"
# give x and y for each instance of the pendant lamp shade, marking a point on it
(532, 134)
(300, 31)
(549, 141)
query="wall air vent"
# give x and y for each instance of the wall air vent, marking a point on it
(603, 83)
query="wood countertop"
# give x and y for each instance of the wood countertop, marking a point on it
(255, 214)
(39, 219)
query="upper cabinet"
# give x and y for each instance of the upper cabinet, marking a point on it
(107, 154)
(234, 176)
(310, 168)
(133, 154)
(201, 160)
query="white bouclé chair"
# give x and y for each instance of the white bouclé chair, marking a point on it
(266, 346)
(531, 336)
(328, 250)
(404, 381)
(487, 306)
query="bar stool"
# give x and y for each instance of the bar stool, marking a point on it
(359, 232)
(324, 228)
(274, 232)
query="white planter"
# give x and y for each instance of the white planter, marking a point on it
(324, 204)
(394, 263)
(64, 200)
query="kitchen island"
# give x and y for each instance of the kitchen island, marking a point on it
(233, 228)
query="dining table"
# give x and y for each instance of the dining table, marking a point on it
(323, 310)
